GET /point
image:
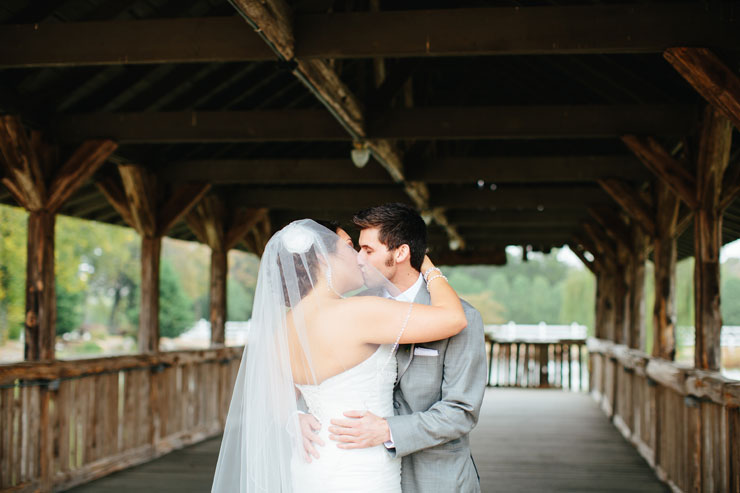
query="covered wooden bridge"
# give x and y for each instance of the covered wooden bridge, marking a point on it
(604, 126)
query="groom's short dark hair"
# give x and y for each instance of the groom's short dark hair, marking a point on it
(397, 224)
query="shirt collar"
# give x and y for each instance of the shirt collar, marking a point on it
(410, 294)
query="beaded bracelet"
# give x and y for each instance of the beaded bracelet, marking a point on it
(436, 277)
(429, 271)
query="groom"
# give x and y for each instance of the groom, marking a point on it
(440, 385)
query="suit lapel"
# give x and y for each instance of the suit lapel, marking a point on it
(405, 354)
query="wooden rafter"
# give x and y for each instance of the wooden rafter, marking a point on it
(151, 209)
(32, 173)
(443, 123)
(666, 168)
(272, 19)
(418, 33)
(614, 226)
(631, 201)
(711, 78)
(589, 264)
(221, 228)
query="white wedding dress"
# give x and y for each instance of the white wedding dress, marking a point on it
(367, 386)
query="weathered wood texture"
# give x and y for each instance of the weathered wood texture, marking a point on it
(517, 447)
(664, 261)
(458, 32)
(221, 228)
(66, 423)
(537, 363)
(679, 419)
(711, 78)
(712, 160)
(151, 209)
(32, 171)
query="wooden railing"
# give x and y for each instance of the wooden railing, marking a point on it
(537, 363)
(684, 422)
(63, 423)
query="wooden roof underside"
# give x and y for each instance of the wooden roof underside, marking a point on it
(508, 131)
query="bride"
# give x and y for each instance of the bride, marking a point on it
(317, 337)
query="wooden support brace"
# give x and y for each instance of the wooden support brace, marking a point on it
(711, 78)
(712, 160)
(631, 202)
(658, 160)
(151, 210)
(215, 225)
(273, 20)
(32, 173)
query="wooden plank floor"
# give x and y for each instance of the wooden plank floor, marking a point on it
(526, 440)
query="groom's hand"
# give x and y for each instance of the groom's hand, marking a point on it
(364, 430)
(309, 426)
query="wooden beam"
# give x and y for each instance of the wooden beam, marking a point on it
(23, 174)
(192, 126)
(658, 160)
(392, 34)
(141, 196)
(508, 31)
(664, 261)
(730, 184)
(294, 125)
(451, 198)
(614, 226)
(535, 197)
(607, 252)
(183, 40)
(83, 163)
(272, 18)
(495, 256)
(32, 174)
(151, 209)
(712, 159)
(547, 217)
(275, 171)
(41, 307)
(181, 199)
(636, 335)
(220, 227)
(527, 122)
(711, 78)
(631, 202)
(589, 264)
(523, 169)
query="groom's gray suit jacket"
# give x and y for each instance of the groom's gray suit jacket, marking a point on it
(437, 402)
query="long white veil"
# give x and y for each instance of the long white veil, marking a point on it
(262, 431)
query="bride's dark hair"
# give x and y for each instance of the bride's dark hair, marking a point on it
(307, 265)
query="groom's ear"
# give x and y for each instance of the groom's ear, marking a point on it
(402, 253)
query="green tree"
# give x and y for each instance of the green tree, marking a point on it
(730, 301)
(13, 227)
(176, 313)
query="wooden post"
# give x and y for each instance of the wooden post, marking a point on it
(151, 248)
(218, 313)
(664, 260)
(33, 175)
(713, 157)
(221, 228)
(636, 323)
(41, 304)
(151, 210)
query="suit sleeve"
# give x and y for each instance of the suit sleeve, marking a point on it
(463, 386)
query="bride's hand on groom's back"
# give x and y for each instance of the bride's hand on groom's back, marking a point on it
(309, 428)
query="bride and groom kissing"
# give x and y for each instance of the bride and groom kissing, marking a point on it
(362, 371)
